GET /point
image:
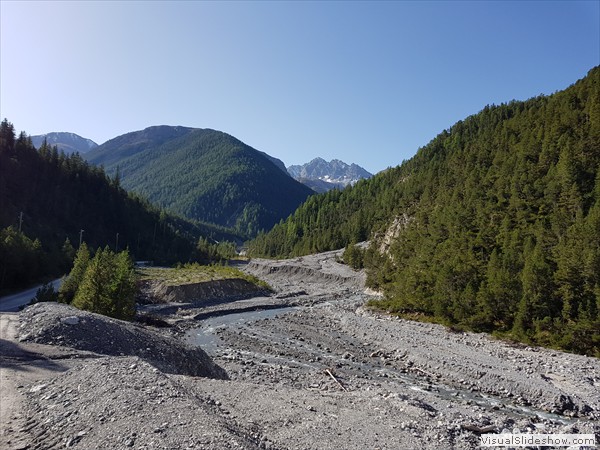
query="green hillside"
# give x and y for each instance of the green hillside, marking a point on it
(51, 197)
(493, 226)
(204, 175)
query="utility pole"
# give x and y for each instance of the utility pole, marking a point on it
(20, 220)
(80, 236)
(117, 244)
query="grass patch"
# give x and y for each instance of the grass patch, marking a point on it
(196, 273)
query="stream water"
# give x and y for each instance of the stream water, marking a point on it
(205, 336)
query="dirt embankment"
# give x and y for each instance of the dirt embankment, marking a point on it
(124, 402)
(201, 294)
(314, 274)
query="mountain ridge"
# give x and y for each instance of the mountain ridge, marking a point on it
(66, 141)
(203, 174)
(322, 176)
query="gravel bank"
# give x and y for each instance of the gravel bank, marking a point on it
(359, 386)
(64, 325)
(326, 375)
(119, 403)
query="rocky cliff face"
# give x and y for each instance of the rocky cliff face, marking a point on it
(321, 175)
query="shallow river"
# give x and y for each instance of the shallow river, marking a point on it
(205, 336)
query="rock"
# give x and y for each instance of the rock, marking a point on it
(71, 320)
(563, 403)
(37, 388)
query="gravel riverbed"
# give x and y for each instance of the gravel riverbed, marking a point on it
(325, 373)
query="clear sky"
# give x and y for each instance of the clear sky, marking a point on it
(365, 82)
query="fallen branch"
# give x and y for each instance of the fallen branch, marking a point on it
(477, 429)
(425, 372)
(328, 372)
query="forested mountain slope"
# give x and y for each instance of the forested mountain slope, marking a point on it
(494, 225)
(51, 197)
(122, 147)
(203, 174)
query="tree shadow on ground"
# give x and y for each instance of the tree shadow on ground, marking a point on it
(16, 357)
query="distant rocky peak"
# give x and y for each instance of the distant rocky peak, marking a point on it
(65, 141)
(335, 173)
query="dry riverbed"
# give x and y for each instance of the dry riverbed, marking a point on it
(321, 373)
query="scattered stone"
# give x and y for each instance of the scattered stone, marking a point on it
(408, 385)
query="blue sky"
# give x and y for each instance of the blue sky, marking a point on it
(365, 82)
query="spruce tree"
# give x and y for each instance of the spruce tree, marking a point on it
(94, 291)
(108, 286)
(123, 287)
(71, 283)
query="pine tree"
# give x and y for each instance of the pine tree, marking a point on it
(68, 253)
(20, 258)
(7, 138)
(123, 287)
(536, 279)
(354, 256)
(46, 293)
(496, 296)
(108, 286)
(569, 276)
(72, 282)
(94, 291)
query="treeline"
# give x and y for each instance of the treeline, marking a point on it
(493, 226)
(332, 220)
(23, 260)
(50, 202)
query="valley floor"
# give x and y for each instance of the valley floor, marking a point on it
(323, 374)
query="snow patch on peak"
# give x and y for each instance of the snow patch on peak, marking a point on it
(65, 141)
(333, 174)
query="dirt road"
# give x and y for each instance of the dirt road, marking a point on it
(15, 301)
(22, 365)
